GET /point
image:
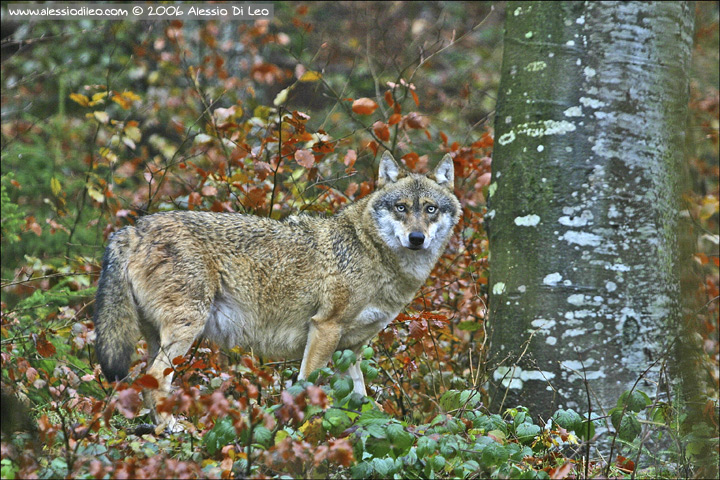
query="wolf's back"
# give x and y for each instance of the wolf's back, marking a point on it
(116, 316)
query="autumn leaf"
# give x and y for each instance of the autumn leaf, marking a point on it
(101, 117)
(194, 199)
(415, 120)
(381, 130)
(411, 160)
(389, 98)
(415, 98)
(44, 348)
(55, 186)
(350, 158)
(128, 402)
(147, 381)
(305, 158)
(98, 98)
(209, 191)
(364, 106)
(79, 98)
(310, 76)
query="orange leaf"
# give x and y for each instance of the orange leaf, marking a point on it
(44, 348)
(305, 158)
(415, 120)
(209, 191)
(381, 130)
(373, 146)
(194, 199)
(364, 106)
(415, 97)
(562, 471)
(147, 381)
(350, 158)
(389, 98)
(178, 360)
(411, 160)
(394, 118)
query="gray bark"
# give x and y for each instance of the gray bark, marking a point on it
(589, 138)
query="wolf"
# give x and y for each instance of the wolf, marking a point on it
(302, 287)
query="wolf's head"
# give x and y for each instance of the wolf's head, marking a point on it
(413, 211)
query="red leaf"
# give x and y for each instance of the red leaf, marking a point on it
(128, 402)
(194, 199)
(209, 191)
(389, 98)
(147, 381)
(350, 158)
(44, 348)
(562, 471)
(411, 160)
(373, 146)
(364, 106)
(418, 328)
(381, 130)
(415, 97)
(305, 158)
(415, 120)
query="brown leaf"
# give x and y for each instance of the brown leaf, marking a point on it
(194, 199)
(44, 348)
(128, 402)
(305, 158)
(415, 120)
(389, 98)
(364, 106)
(350, 158)
(209, 191)
(147, 381)
(381, 130)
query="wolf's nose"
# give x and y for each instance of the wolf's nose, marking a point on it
(416, 239)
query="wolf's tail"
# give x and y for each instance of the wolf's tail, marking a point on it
(116, 317)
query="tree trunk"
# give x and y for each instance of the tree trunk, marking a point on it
(589, 140)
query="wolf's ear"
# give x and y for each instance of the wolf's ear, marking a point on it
(389, 171)
(444, 173)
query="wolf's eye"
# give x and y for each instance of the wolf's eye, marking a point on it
(400, 208)
(431, 209)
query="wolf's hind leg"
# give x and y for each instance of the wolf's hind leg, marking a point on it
(175, 340)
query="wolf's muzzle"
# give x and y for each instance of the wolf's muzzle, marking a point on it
(416, 240)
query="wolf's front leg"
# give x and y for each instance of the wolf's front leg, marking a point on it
(323, 338)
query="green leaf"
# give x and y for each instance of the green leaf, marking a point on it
(629, 427)
(336, 421)
(526, 432)
(370, 372)
(262, 436)
(470, 326)
(634, 401)
(470, 398)
(400, 439)
(426, 446)
(221, 434)
(450, 400)
(586, 431)
(494, 454)
(342, 387)
(346, 359)
(373, 417)
(568, 419)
